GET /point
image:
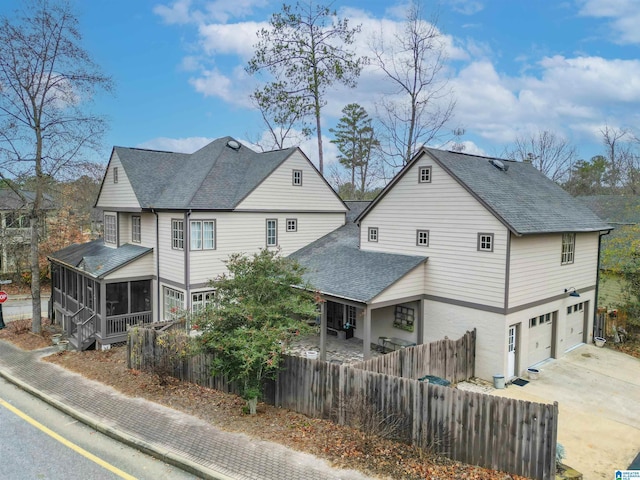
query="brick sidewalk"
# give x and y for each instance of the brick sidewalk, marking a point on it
(172, 436)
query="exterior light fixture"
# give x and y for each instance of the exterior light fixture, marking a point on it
(572, 292)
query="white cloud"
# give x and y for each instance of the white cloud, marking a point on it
(233, 38)
(179, 12)
(466, 7)
(624, 15)
(179, 145)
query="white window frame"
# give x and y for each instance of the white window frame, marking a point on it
(110, 229)
(177, 234)
(200, 300)
(296, 178)
(292, 224)
(485, 242)
(424, 174)
(271, 238)
(197, 240)
(422, 238)
(115, 174)
(372, 234)
(136, 229)
(568, 248)
(173, 302)
(352, 315)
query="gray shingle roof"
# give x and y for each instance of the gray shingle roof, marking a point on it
(336, 266)
(216, 177)
(10, 200)
(521, 197)
(97, 259)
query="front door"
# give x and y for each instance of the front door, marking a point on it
(511, 352)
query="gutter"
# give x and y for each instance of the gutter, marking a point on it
(157, 252)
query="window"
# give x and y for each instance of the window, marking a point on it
(485, 242)
(568, 248)
(272, 232)
(177, 234)
(425, 175)
(373, 234)
(292, 224)
(110, 229)
(297, 178)
(541, 320)
(203, 235)
(115, 174)
(200, 300)
(173, 303)
(351, 316)
(404, 318)
(135, 229)
(422, 238)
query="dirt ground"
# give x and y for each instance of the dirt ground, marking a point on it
(344, 447)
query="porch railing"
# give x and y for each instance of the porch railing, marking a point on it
(117, 324)
(82, 326)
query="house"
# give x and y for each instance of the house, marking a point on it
(456, 242)
(15, 230)
(170, 222)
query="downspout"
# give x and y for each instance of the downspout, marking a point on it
(187, 248)
(595, 307)
(157, 252)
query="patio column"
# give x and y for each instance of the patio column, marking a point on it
(366, 338)
(420, 321)
(103, 310)
(323, 331)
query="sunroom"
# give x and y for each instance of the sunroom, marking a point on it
(99, 291)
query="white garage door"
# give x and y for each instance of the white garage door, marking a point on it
(574, 334)
(540, 338)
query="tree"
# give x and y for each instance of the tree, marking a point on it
(306, 51)
(587, 178)
(421, 103)
(285, 116)
(47, 81)
(553, 155)
(260, 305)
(356, 141)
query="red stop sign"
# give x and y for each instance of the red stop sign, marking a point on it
(3, 297)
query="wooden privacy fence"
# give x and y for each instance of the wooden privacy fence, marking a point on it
(451, 359)
(494, 432)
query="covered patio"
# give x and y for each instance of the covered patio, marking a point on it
(366, 295)
(345, 351)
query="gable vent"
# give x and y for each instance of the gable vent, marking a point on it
(499, 164)
(232, 144)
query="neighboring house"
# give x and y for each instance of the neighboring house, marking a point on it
(457, 242)
(171, 220)
(454, 242)
(15, 230)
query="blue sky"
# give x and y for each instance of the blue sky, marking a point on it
(516, 67)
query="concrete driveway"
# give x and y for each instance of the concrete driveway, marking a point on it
(598, 395)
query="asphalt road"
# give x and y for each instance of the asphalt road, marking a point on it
(28, 452)
(14, 309)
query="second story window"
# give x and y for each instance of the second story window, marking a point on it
(203, 235)
(568, 248)
(272, 232)
(177, 234)
(422, 238)
(373, 234)
(297, 178)
(292, 225)
(424, 175)
(115, 174)
(485, 242)
(110, 229)
(136, 233)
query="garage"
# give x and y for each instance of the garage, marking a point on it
(574, 334)
(540, 338)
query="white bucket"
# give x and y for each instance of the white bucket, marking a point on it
(311, 354)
